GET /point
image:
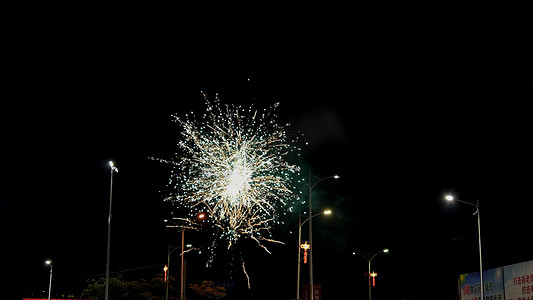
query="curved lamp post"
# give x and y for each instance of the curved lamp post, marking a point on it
(201, 216)
(300, 224)
(369, 258)
(113, 170)
(49, 262)
(476, 205)
(311, 186)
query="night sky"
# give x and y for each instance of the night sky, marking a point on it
(404, 112)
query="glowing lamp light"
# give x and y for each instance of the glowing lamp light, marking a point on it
(201, 216)
(385, 250)
(327, 212)
(48, 262)
(336, 176)
(166, 270)
(449, 197)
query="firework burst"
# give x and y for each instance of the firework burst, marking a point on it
(232, 166)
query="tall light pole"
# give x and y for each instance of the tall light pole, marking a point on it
(311, 186)
(49, 262)
(369, 258)
(476, 205)
(113, 170)
(201, 216)
(300, 224)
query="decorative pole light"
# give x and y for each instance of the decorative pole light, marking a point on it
(165, 269)
(306, 246)
(300, 245)
(373, 275)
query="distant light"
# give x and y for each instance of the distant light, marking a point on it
(385, 250)
(111, 164)
(449, 197)
(336, 176)
(48, 262)
(201, 216)
(327, 212)
(165, 220)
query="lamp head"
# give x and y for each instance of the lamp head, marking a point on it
(385, 250)
(449, 197)
(327, 212)
(48, 262)
(336, 176)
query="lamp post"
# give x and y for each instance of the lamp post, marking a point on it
(49, 262)
(113, 170)
(369, 257)
(201, 216)
(300, 224)
(476, 205)
(167, 266)
(311, 186)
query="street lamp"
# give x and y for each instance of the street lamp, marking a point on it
(311, 186)
(300, 224)
(476, 205)
(49, 262)
(200, 216)
(369, 257)
(113, 170)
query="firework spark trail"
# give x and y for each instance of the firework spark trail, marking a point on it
(233, 167)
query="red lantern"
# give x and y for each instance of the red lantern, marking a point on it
(306, 246)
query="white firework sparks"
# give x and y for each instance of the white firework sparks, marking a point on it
(233, 168)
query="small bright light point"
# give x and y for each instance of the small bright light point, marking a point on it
(201, 216)
(111, 164)
(385, 250)
(336, 177)
(327, 212)
(48, 262)
(449, 197)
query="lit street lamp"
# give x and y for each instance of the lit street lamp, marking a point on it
(113, 170)
(369, 257)
(300, 224)
(311, 186)
(476, 205)
(201, 216)
(49, 262)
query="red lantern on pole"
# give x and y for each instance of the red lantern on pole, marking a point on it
(373, 275)
(306, 246)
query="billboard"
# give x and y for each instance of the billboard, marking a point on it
(470, 285)
(519, 281)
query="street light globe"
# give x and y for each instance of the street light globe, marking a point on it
(48, 262)
(449, 197)
(111, 164)
(336, 176)
(327, 212)
(385, 250)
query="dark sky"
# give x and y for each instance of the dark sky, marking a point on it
(405, 111)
